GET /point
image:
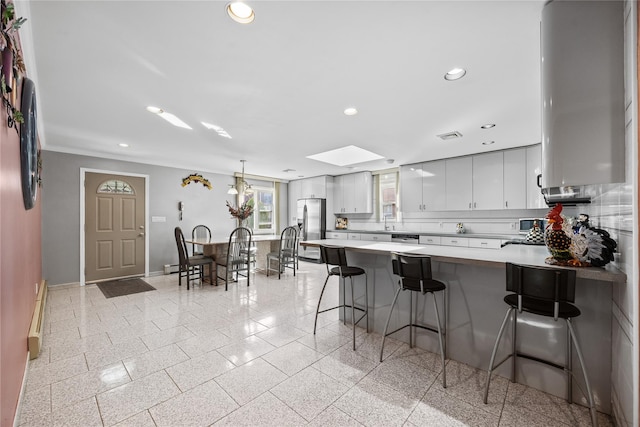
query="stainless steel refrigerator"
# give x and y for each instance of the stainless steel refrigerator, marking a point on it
(312, 223)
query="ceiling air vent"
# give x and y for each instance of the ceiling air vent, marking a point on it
(449, 135)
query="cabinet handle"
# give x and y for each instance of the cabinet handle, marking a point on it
(483, 243)
(469, 205)
(475, 205)
(506, 204)
(454, 241)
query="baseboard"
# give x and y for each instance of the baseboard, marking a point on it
(35, 331)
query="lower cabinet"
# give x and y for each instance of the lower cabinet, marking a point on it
(454, 241)
(430, 240)
(336, 235)
(485, 243)
(376, 237)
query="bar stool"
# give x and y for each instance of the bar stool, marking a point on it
(335, 259)
(415, 276)
(547, 292)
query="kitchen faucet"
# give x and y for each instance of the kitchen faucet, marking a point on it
(386, 227)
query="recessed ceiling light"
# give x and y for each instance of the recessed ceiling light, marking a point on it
(168, 117)
(351, 111)
(123, 145)
(488, 142)
(240, 12)
(288, 170)
(488, 126)
(455, 74)
(349, 155)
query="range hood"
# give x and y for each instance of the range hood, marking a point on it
(582, 72)
(568, 196)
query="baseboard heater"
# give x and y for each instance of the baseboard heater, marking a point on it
(35, 331)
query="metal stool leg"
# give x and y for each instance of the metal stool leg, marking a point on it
(514, 337)
(569, 368)
(366, 299)
(592, 406)
(493, 354)
(315, 323)
(444, 372)
(353, 313)
(386, 325)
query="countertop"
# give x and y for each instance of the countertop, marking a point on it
(431, 233)
(517, 254)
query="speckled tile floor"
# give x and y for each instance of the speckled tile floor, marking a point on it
(202, 357)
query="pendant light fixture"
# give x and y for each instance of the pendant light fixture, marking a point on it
(240, 12)
(242, 184)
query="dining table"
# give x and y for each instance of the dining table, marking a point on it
(217, 246)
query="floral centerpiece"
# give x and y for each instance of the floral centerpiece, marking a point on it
(242, 212)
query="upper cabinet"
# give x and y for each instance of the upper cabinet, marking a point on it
(422, 187)
(314, 188)
(515, 178)
(489, 181)
(353, 193)
(458, 186)
(535, 200)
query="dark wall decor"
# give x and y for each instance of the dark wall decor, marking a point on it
(29, 144)
(194, 177)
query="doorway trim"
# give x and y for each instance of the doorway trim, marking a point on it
(83, 172)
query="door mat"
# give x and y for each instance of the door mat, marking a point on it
(118, 288)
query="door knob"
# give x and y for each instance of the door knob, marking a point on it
(141, 234)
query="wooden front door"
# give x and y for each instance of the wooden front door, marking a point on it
(114, 226)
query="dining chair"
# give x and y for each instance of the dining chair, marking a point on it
(200, 232)
(237, 259)
(188, 265)
(286, 255)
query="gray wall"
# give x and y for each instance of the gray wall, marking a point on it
(61, 210)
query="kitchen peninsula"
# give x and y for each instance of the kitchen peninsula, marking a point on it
(475, 280)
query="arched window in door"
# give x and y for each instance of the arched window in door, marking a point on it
(115, 186)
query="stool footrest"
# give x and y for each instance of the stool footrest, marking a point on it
(343, 305)
(538, 359)
(428, 328)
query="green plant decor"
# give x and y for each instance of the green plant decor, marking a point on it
(9, 26)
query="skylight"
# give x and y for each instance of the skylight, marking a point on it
(349, 155)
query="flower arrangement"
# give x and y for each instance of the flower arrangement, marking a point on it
(12, 62)
(243, 212)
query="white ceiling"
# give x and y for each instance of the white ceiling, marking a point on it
(279, 86)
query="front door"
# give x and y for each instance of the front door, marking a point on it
(114, 226)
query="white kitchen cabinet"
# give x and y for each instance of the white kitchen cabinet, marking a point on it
(488, 181)
(515, 179)
(336, 235)
(454, 241)
(485, 243)
(422, 187)
(429, 240)
(353, 193)
(459, 179)
(375, 237)
(354, 236)
(411, 188)
(314, 188)
(534, 168)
